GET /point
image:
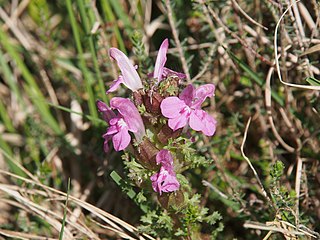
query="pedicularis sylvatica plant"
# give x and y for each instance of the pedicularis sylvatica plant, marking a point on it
(153, 128)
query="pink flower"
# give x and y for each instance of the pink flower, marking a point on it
(160, 71)
(161, 60)
(187, 109)
(129, 77)
(106, 111)
(165, 180)
(127, 119)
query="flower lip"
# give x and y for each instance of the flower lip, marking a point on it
(161, 60)
(130, 115)
(130, 77)
(126, 119)
(165, 180)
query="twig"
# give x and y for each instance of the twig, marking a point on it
(254, 225)
(247, 16)
(251, 166)
(177, 41)
(234, 35)
(204, 68)
(207, 184)
(277, 58)
(268, 106)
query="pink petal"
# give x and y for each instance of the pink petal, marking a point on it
(111, 130)
(105, 110)
(202, 121)
(121, 140)
(165, 158)
(130, 114)
(168, 73)
(164, 181)
(130, 76)
(202, 93)
(155, 184)
(115, 84)
(106, 143)
(161, 60)
(170, 184)
(179, 121)
(114, 120)
(187, 95)
(171, 107)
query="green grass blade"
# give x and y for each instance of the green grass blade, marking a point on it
(255, 77)
(7, 152)
(64, 212)
(32, 88)
(313, 81)
(89, 117)
(125, 187)
(109, 16)
(9, 78)
(88, 79)
(87, 24)
(5, 118)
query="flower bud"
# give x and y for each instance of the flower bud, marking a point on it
(166, 132)
(137, 97)
(171, 199)
(146, 154)
(152, 102)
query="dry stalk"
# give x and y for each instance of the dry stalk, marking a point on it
(270, 118)
(247, 16)
(234, 35)
(277, 58)
(177, 41)
(108, 218)
(251, 166)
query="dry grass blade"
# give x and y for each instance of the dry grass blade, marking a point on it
(250, 164)
(19, 235)
(313, 49)
(177, 41)
(269, 227)
(277, 57)
(247, 16)
(116, 224)
(268, 105)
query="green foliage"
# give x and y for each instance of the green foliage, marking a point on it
(50, 58)
(313, 81)
(144, 61)
(157, 223)
(184, 148)
(282, 198)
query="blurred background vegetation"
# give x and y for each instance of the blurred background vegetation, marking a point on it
(54, 65)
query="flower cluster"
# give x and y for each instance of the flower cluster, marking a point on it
(165, 180)
(156, 102)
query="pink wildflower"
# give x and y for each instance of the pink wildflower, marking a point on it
(165, 180)
(187, 109)
(130, 78)
(127, 119)
(161, 60)
(160, 71)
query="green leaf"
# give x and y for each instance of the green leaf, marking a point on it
(313, 81)
(255, 77)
